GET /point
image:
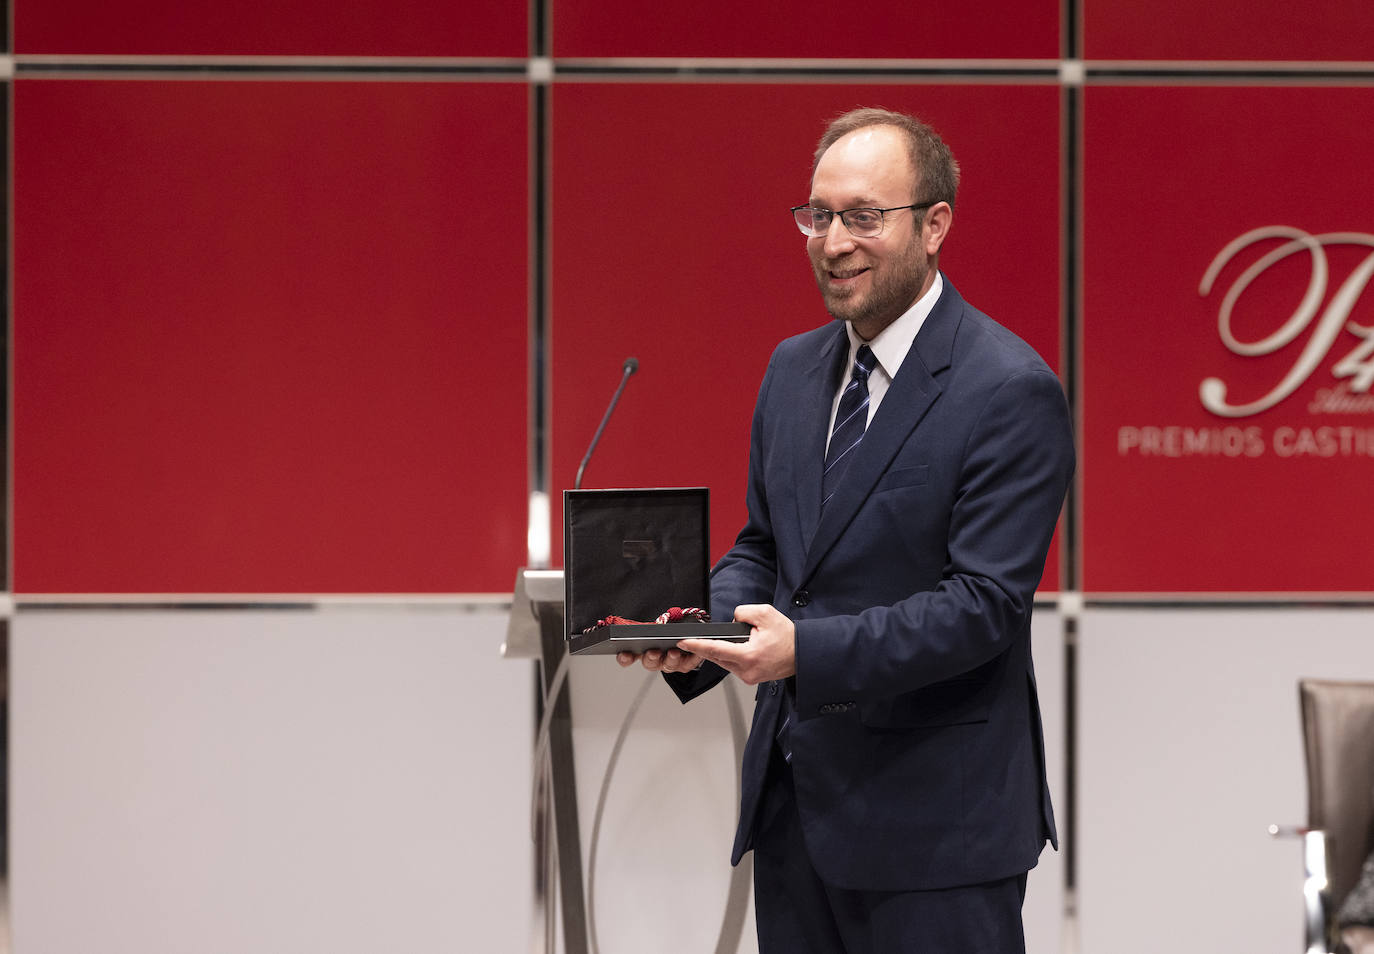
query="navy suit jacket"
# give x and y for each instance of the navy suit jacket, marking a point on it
(918, 756)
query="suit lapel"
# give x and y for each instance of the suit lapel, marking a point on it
(908, 398)
(813, 422)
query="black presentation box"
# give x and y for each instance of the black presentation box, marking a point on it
(636, 554)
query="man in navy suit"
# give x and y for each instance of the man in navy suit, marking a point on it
(894, 789)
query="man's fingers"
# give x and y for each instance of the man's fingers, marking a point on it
(676, 660)
(755, 614)
(658, 660)
(697, 647)
(719, 651)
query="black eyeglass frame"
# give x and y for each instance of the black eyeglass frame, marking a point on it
(843, 213)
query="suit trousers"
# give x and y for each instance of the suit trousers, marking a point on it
(797, 913)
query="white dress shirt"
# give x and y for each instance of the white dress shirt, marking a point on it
(890, 348)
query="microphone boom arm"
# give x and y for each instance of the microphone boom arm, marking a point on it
(630, 366)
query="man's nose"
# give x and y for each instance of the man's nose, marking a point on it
(837, 238)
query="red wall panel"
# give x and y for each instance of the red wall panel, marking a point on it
(1262, 491)
(673, 243)
(811, 29)
(257, 329)
(1228, 30)
(265, 27)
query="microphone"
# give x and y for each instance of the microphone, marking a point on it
(630, 366)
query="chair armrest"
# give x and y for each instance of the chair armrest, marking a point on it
(1316, 901)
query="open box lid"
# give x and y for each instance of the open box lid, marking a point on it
(636, 553)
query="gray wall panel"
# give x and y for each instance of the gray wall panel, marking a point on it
(1190, 746)
(341, 780)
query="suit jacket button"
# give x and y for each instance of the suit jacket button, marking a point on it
(801, 598)
(772, 688)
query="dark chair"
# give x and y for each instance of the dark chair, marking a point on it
(1338, 742)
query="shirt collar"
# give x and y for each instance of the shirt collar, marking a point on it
(891, 345)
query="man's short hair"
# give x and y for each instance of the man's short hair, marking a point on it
(937, 173)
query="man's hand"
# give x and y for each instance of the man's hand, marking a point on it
(770, 653)
(656, 660)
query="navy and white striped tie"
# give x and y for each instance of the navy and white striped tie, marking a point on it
(850, 422)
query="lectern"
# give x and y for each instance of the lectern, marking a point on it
(536, 630)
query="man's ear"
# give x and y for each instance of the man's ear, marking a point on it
(935, 228)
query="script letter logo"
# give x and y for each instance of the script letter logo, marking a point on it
(1357, 365)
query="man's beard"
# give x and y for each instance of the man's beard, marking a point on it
(889, 295)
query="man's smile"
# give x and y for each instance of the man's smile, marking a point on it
(843, 276)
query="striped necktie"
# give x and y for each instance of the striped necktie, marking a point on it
(850, 422)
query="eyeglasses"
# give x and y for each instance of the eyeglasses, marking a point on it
(861, 223)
